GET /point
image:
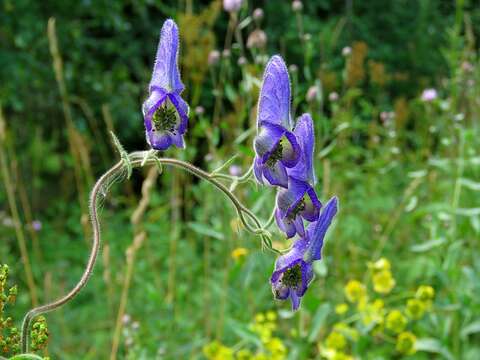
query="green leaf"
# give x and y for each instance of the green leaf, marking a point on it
(426, 246)
(471, 328)
(204, 229)
(433, 346)
(318, 321)
(470, 184)
(468, 211)
(26, 357)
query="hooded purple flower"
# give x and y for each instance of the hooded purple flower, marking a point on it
(276, 146)
(294, 271)
(165, 112)
(299, 200)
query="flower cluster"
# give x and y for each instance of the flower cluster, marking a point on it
(165, 112)
(9, 334)
(263, 327)
(284, 158)
(368, 315)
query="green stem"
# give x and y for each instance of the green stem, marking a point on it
(99, 191)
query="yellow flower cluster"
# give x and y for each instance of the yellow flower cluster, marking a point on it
(383, 281)
(373, 317)
(263, 326)
(355, 291)
(406, 343)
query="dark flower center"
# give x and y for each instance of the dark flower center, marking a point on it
(275, 155)
(164, 119)
(298, 208)
(293, 276)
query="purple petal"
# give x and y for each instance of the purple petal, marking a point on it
(177, 140)
(150, 105)
(307, 277)
(267, 140)
(291, 258)
(312, 206)
(316, 231)
(257, 169)
(291, 151)
(304, 132)
(276, 175)
(165, 71)
(159, 140)
(295, 300)
(285, 225)
(274, 99)
(182, 109)
(299, 228)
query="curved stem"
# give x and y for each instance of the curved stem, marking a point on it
(135, 159)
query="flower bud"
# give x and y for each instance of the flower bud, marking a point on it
(213, 57)
(312, 93)
(258, 14)
(257, 39)
(232, 5)
(226, 53)
(199, 110)
(347, 50)
(241, 61)
(333, 96)
(297, 6)
(293, 68)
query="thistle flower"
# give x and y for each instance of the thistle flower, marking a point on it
(276, 146)
(165, 112)
(294, 271)
(299, 200)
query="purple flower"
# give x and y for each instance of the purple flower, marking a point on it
(429, 95)
(165, 112)
(36, 225)
(299, 200)
(294, 271)
(276, 146)
(232, 5)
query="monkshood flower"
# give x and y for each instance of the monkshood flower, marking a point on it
(165, 112)
(299, 200)
(276, 146)
(294, 270)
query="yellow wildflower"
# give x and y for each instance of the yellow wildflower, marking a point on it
(383, 282)
(415, 308)
(347, 331)
(243, 354)
(396, 321)
(217, 351)
(380, 265)
(373, 313)
(271, 316)
(406, 343)
(259, 318)
(355, 291)
(336, 341)
(276, 347)
(341, 309)
(425, 292)
(239, 253)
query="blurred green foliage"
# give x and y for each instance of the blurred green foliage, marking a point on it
(406, 171)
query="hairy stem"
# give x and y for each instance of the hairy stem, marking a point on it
(99, 191)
